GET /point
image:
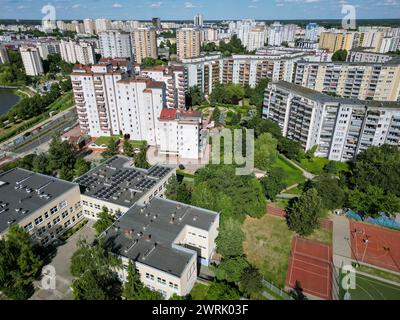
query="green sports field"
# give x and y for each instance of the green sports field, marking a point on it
(371, 289)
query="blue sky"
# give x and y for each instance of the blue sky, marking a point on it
(212, 9)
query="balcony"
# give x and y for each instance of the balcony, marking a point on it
(76, 88)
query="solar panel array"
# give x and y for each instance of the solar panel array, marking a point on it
(86, 181)
(158, 172)
(145, 184)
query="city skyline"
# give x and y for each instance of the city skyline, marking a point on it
(212, 10)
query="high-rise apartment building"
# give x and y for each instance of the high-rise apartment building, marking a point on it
(312, 32)
(115, 44)
(102, 25)
(89, 26)
(340, 127)
(188, 43)
(144, 43)
(4, 55)
(198, 20)
(48, 47)
(334, 41)
(364, 81)
(31, 59)
(77, 52)
(279, 34)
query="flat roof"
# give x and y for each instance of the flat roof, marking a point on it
(325, 98)
(23, 192)
(147, 234)
(118, 181)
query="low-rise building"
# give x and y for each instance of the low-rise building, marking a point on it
(117, 185)
(44, 206)
(166, 240)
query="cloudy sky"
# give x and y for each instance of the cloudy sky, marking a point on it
(212, 9)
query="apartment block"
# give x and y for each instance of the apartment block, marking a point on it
(174, 78)
(179, 133)
(117, 185)
(144, 43)
(77, 52)
(188, 43)
(115, 44)
(3, 55)
(359, 80)
(166, 240)
(366, 56)
(31, 59)
(44, 206)
(340, 127)
(48, 47)
(334, 41)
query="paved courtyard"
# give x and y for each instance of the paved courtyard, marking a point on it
(61, 262)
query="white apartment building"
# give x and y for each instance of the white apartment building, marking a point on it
(3, 55)
(115, 44)
(31, 59)
(174, 78)
(198, 20)
(256, 38)
(77, 52)
(340, 127)
(144, 44)
(188, 43)
(102, 25)
(312, 32)
(44, 206)
(179, 133)
(359, 80)
(48, 47)
(366, 56)
(279, 33)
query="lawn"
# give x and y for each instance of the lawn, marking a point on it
(322, 235)
(105, 140)
(62, 103)
(267, 245)
(294, 175)
(199, 291)
(316, 165)
(371, 289)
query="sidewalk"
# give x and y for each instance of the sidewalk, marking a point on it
(341, 241)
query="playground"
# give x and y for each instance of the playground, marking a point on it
(375, 245)
(310, 268)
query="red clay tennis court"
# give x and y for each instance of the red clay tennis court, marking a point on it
(375, 245)
(310, 266)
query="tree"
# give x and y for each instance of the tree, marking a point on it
(81, 167)
(40, 164)
(61, 154)
(261, 126)
(128, 149)
(194, 96)
(340, 55)
(222, 291)
(112, 149)
(332, 195)
(291, 149)
(93, 267)
(178, 191)
(66, 174)
(274, 183)
(149, 62)
(105, 220)
(303, 214)
(140, 158)
(20, 264)
(231, 269)
(230, 239)
(265, 152)
(251, 281)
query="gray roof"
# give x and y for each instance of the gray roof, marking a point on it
(147, 234)
(119, 182)
(23, 192)
(325, 98)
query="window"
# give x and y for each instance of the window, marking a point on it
(56, 220)
(53, 210)
(46, 215)
(67, 224)
(65, 214)
(85, 203)
(29, 227)
(38, 220)
(63, 204)
(41, 230)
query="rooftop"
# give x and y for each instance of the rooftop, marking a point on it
(148, 234)
(23, 192)
(119, 182)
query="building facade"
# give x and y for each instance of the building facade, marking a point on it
(31, 59)
(340, 127)
(188, 43)
(144, 44)
(115, 44)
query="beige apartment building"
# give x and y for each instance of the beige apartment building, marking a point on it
(334, 41)
(358, 80)
(188, 43)
(44, 206)
(144, 44)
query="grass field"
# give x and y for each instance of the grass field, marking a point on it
(379, 273)
(294, 175)
(371, 289)
(105, 140)
(267, 246)
(322, 235)
(316, 165)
